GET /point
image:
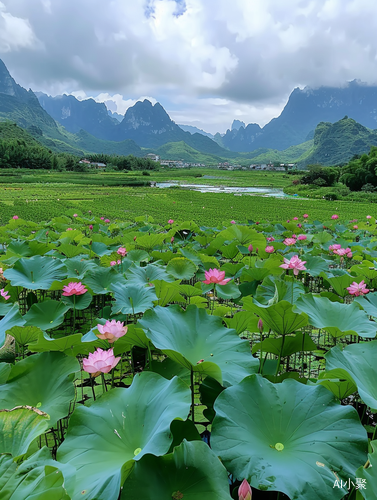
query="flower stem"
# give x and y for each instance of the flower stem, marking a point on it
(192, 396)
(280, 355)
(91, 383)
(74, 313)
(104, 387)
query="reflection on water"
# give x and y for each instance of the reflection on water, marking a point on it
(204, 188)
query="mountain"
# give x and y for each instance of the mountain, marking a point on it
(304, 110)
(195, 130)
(336, 143)
(237, 124)
(22, 107)
(117, 116)
(75, 115)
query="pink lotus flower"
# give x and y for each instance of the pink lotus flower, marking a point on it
(172, 239)
(289, 241)
(299, 225)
(358, 289)
(100, 361)
(74, 215)
(122, 251)
(215, 276)
(90, 226)
(269, 249)
(270, 238)
(74, 289)
(244, 491)
(102, 218)
(134, 238)
(355, 226)
(301, 237)
(334, 247)
(232, 221)
(295, 263)
(15, 217)
(113, 263)
(305, 216)
(170, 221)
(369, 216)
(260, 325)
(107, 221)
(335, 216)
(295, 218)
(111, 330)
(250, 248)
(4, 294)
(288, 220)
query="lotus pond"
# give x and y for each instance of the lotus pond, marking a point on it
(175, 361)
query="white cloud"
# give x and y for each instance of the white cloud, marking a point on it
(15, 32)
(250, 53)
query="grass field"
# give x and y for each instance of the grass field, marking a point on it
(38, 202)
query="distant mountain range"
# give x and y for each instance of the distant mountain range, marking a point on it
(304, 132)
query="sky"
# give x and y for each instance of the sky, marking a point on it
(206, 61)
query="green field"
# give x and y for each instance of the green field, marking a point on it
(55, 194)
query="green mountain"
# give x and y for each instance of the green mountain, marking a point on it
(336, 143)
(181, 151)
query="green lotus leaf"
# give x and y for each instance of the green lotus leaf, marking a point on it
(292, 344)
(46, 315)
(243, 320)
(39, 248)
(254, 274)
(36, 273)
(141, 276)
(338, 381)
(37, 478)
(339, 282)
(29, 385)
(307, 438)
(71, 345)
(279, 317)
(337, 319)
(368, 475)
(167, 292)
(101, 280)
(199, 342)
(25, 335)
(70, 251)
(19, 427)
(315, 265)
(132, 299)
(98, 248)
(274, 289)
(138, 256)
(227, 291)
(150, 241)
(244, 236)
(78, 302)
(359, 360)
(181, 268)
(5, 307)
(77, 267)
(189, 291)
(134, 337)
(104, 440)
(191, 472)
(368, 303)
(12, 318)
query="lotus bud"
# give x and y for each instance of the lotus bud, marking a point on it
(260, 325)
(244, 491)
(250, 248)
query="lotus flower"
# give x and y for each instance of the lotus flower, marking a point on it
(250, 248)
(100, 361)
(358, 289)
(355, 226)
(232, 221)
(170, 221)
(289, 241)
(122, 251)
(305, 216)
(269, 249)
(334, 247)
(15, 217)
(260, 325)
(301, 237)
(369, 216)
(295, 263)
(74, 215)
(111, 330)
(244, 491)
(90, 226)
(4, 294)
(74, 289)
(270, 238)
(107, 221)
(215, 276)
(335, 216)
(295, 218)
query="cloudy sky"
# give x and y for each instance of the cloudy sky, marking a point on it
(206, 61)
